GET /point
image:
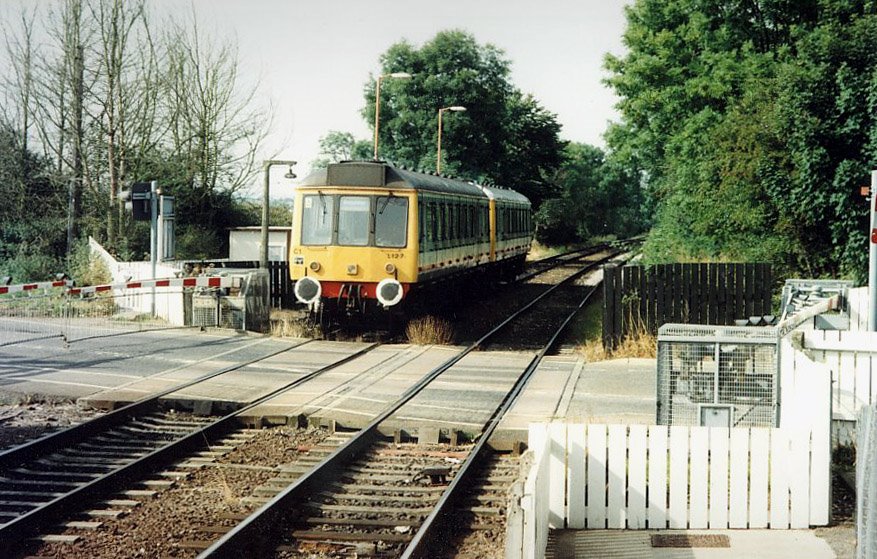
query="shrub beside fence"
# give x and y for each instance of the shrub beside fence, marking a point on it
(645, 297)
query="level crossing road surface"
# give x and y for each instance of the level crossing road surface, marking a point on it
(113, 371)
(51, 368)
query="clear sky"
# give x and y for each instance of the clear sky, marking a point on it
(313, 57)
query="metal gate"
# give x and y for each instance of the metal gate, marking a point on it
(717, 376)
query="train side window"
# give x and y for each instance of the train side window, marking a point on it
(421, 224)
(455, 232)
(353, 220)
(391, 221)
(485, 221)
(317, 220)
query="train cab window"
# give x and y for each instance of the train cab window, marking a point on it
(391, 221)
(317, 221)
(353, 218)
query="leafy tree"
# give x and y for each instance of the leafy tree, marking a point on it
(599, 198)
(341, 146)
(751, 124)
(29, 247)
(504, 137)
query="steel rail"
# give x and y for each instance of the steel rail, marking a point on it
(557, 260)
(61, 439)
(248, 538)
(51, 512)
(585, 251)
(436, 526)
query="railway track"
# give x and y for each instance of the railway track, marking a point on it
(373, 497)
(46, 481)
(351, 506)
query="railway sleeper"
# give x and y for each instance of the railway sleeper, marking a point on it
(84, 466)
(326, 507)
(362, 522)
(17, 483)
(385, 489)
(374, 498)
(59, 475)
(113, 448)
(88, 460)
(317, 535)
(149, 425)
(35, 495)
(115, 514)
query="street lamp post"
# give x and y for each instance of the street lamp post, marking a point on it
(395, 75)
(266, 167)
(438, 158)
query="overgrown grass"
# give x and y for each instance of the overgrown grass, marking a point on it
(538, 251)
(640, 343)
(286, 324)
(429, 330)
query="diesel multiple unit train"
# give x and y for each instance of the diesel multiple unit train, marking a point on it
(368, 235)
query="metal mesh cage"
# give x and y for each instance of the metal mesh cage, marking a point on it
(232, 312)
(205, 310)
(717, 375)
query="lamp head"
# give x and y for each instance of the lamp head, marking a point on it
(401, 75)
(456, 108)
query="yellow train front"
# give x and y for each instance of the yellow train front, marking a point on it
(368, 234)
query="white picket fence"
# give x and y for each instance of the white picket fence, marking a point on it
(659, 477)
(852, 358)
(857, 300)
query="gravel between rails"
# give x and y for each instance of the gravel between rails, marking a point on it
(31, 419)
(211, 496)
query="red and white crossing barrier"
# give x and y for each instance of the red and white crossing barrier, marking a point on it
(34, 286)
(200, 281)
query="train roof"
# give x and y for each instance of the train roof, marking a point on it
(505, 194)
(381, 174)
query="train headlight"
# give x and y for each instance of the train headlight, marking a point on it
(389, 292)
(390, 268)
(352, 269)
(307, 290)
(315, 266)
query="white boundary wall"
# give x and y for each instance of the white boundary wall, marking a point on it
(168, 300)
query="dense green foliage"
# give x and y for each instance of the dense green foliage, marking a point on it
(599, 198)
(32, 213)
(753, 125)
(504, 136)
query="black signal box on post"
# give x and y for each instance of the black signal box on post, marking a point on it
(138, 200)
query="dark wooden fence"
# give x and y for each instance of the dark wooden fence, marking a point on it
(640, 297)
(282, 296)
